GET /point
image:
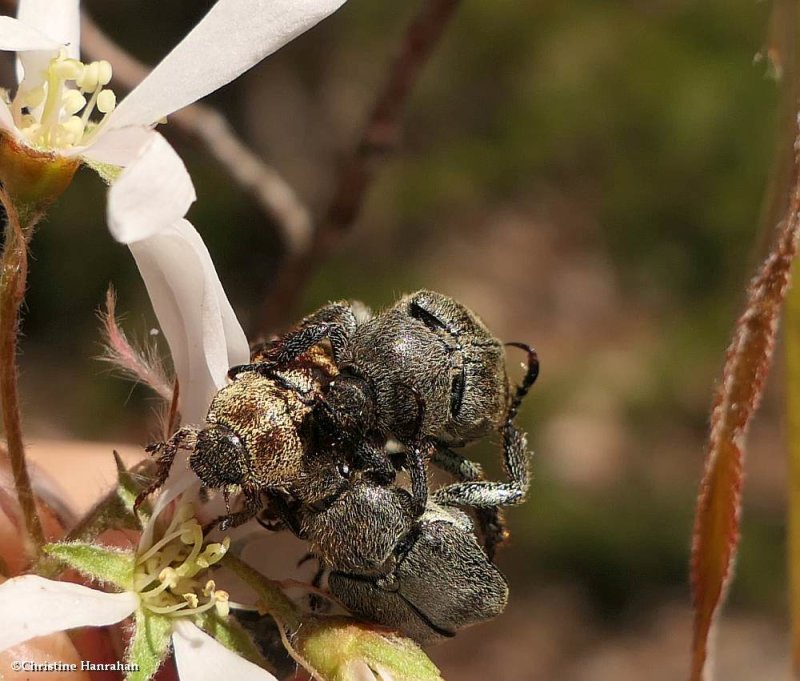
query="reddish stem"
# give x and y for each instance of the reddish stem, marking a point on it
(13, 279)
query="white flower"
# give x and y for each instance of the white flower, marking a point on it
(57, 94)
(52, 111)
(161, 590)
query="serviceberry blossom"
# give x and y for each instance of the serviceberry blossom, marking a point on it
(63, 109)
(163, 588)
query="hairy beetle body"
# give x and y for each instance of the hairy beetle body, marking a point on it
(425, 576)
(260, 435)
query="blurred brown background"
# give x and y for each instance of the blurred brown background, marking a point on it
(588, 178)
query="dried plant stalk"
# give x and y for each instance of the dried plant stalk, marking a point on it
(747, 362)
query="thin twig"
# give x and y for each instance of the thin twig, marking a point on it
(13, 280)
(273, 194)
(379, 137)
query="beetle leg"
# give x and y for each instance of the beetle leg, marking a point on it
(416, 462)
(280, 515)
(419, 450)
(483, 494)
(335, 321)
(252, 505)
(315, 601)
(456, 465)
(183, 438)
(490, 520)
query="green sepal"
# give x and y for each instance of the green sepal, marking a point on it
(107, 171)
(128, 489)
(233, 636)
(333, 645)
(104, 564)
(149, 645)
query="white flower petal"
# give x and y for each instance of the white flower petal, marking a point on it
(16, 36)
(116, 147)
(359, 671)
(204, 336)
(59, 20)
(181, 479)
(384, 674)
(56, 20)
(151, 194)
(200, 657)
(34, 606)
(234, 36)
(6, 120)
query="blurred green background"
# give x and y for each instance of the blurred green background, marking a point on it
(586, 176)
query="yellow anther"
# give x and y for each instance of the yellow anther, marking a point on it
(191, 599)
(189, 534)
(33, 98)
(106, 101)
(73, 102)
(104, 72)
(213, 553)
(209, 588)
(30, 128)
(169, 576)
(67, 69)
(221, 603)
(45, 115)
(89, 77)
(70, 132)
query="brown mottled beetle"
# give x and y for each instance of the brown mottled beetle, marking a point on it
(260, 436)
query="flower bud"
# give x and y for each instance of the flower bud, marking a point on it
(343, 648)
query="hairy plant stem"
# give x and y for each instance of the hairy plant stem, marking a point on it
(13, 280)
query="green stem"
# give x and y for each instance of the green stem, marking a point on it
(278, 605)
(13, 280)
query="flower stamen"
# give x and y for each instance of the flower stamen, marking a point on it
(164, 573)
(47, 115)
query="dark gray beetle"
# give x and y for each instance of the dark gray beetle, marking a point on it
(426, 576)
(423, 574)
(425, 350)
